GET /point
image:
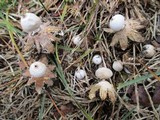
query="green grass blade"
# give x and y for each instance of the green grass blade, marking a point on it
(64, 82)
(10, 31)
(66, 48)
(61, 75)
(40, 116)
(43, 6)
(136, 80)
(64, 12)
(128, 114)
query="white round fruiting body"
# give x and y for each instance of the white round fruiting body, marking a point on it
(37, 69)
(148, 50)
(30, 22)
(80, 74)
(117, 22)
(77, 40)
(97, 59)
(117, 65)
(103, 73)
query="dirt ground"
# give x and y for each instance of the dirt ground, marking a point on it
(70, 34)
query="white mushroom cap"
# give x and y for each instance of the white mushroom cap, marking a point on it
(37, 69)
(117, 65)
(148, 50)
(97, 59)
(77, 40)
(80, 74)
(117, 22)
(103, 73)
(30, 22)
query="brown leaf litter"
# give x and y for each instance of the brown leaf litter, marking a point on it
(143, 97)
(43, 39)
(156, 95)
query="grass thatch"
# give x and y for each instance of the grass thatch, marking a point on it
(68, 97)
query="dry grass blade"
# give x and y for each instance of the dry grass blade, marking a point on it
(151, 72)
(13, 41)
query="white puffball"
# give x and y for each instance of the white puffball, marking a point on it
(103, 73)
(148, 50)
(37, 69)
(117, 22)
(117, 65)
(30, 22)
(77, 40)
(80, 74)
(97, 59)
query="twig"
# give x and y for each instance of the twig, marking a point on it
(55, 104)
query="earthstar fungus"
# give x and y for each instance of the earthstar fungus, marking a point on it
(39, 73)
